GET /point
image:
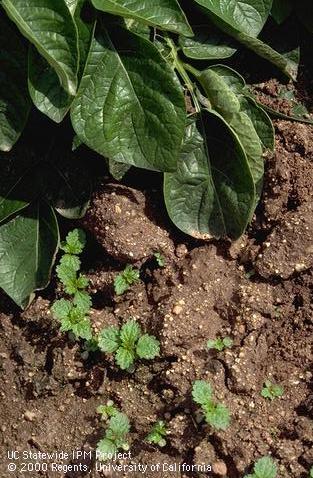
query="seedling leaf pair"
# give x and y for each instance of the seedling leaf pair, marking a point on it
(216, 414)
(115, 436)
(157, 434)
(125, 279)
(220, 344)
(128, 343)
(271, 391)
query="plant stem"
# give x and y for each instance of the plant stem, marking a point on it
(192, 70)
(180, 67)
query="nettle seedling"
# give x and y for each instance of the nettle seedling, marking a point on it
(157, 434)
(311, 473)
(125, 279)
(220, 344)
(264, 468)
(271, 391)
(73, 312)
(107, 411)
(216, 414)
(128, 343)
(118, 427)
(160, 260)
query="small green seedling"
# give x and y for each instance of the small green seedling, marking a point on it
(220, 344)
(271, 391)
(107, 411)
(125, 279)
(157, 434)
(159, 259)
(216, 414)
(73, 312)
(264, 468)
(115, 436)
(311, 473)
(128, 343)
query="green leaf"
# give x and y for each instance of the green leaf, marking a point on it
(281, 9)
(157, 434)
(148, 347)
(16, 189)
(61, 309)
(119, 425)
(66, 274)
(212, 193)
(207, 45)
(42, 21)
(108, 340)
(244, 128)
(265, 468)
(220, 344)
(144, 126)
(261, 121)
(243, 21)
(107, 448)
(70, 262)
(82, 300)
(130, 333)
(201, 392)
(75, 242)
(124, 358)
(125, 279)
(82, 329)
(218, 416)
(247, 16)
(163, 14)
(44, 88)
(28, 246)
(14, 98)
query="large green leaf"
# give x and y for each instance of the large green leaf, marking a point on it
(243, 21)
(212, 193)
(224, 89)
(45, 89)
(49, 25)
(14, 99)
(164, 14)
(207, 45)
(130, 106)
(246, 16)
(44, 86)
(28, 245)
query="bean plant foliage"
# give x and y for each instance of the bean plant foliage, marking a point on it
(116, 75)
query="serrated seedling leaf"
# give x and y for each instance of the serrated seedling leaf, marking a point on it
(61, 309)
(119, 425)
(124, 358)
(148, 347)
(218, 416)
(130, 333)
(265, 468)
(83, 329)
(108, 340)
(75, 242)
(82, 300)
(70, 261)
(106, 448)
(201, 392)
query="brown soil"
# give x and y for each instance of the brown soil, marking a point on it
(257, 291)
